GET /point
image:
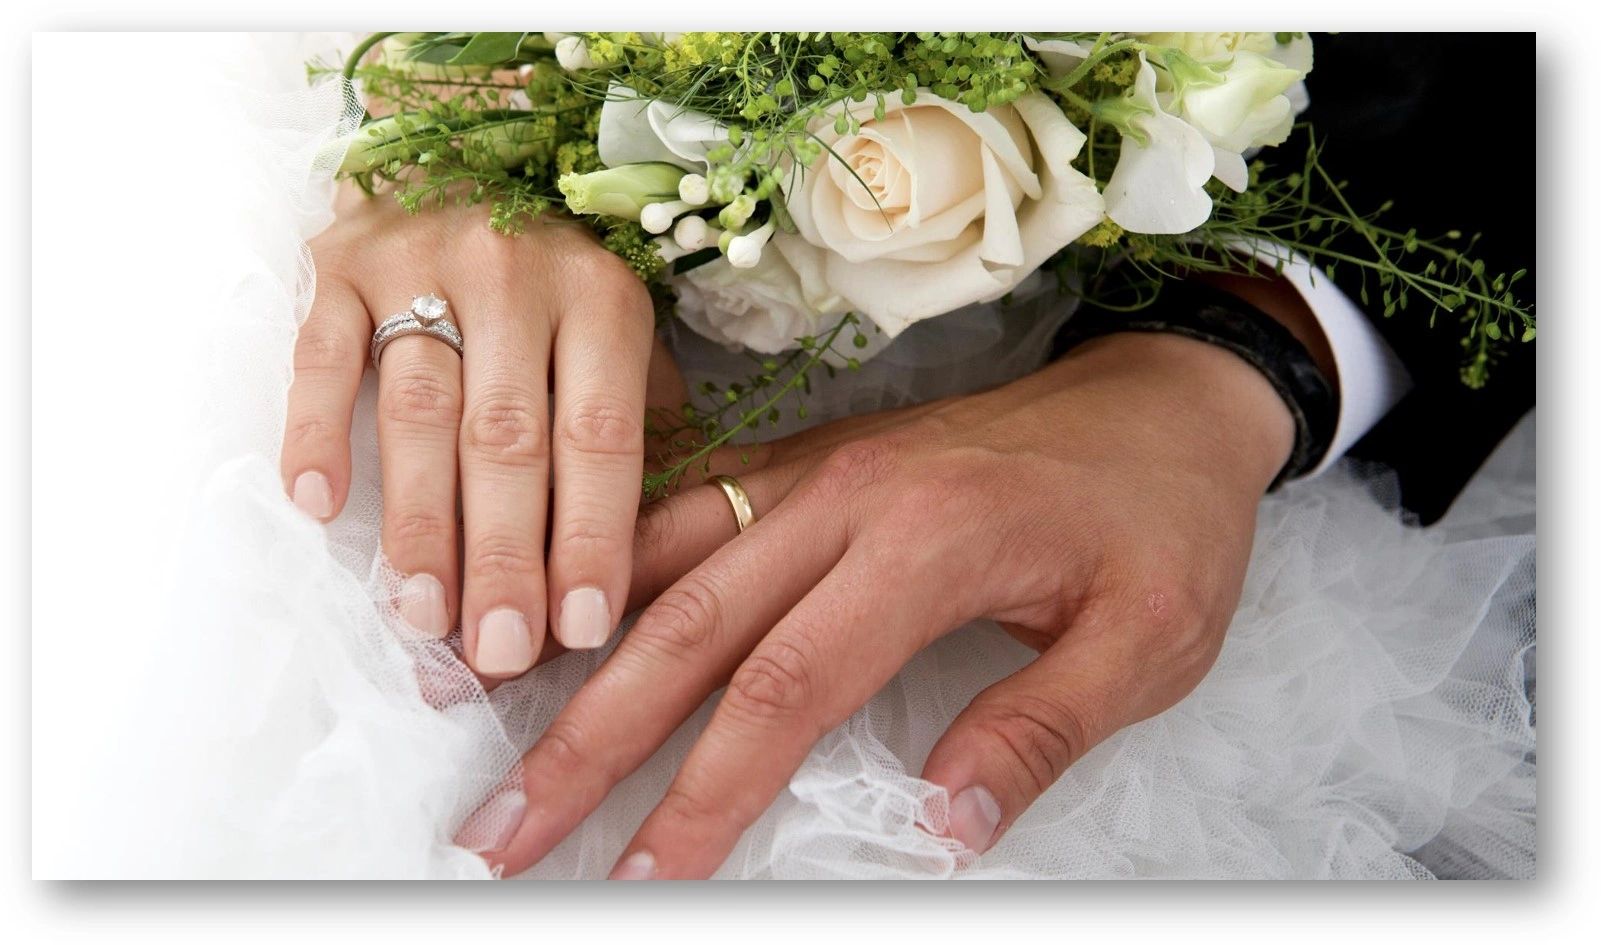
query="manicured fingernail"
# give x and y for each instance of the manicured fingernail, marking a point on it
(585, 620)
(504, 647)
(422, 604)
(501, 816)
(974, 817)
(639, 865)
(314, 496)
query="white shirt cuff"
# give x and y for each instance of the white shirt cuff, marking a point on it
(1371, 378)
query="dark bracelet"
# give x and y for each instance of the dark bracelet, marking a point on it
(1217, 317)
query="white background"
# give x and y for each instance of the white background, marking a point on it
(128, 152)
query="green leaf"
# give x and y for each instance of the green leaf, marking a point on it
(488, 49)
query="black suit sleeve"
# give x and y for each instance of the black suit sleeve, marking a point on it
(1443, 124)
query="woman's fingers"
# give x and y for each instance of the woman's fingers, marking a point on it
(822, 662)
(603, 345)
(504, 451)
(330, 355)
(419, 417)
(681, 650)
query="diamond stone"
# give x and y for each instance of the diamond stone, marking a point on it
(428, 308)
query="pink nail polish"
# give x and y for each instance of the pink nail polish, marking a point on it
(422, 604)
(974, 817)
(504, 645)
(585, 620)
(639, 865)
(493, 825)
(314, 496)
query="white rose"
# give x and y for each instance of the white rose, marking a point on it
(935, 206)
(766, 307)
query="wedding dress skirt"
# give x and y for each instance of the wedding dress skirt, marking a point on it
(1370, 714)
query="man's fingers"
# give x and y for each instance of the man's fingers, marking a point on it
(330, 355)
(419, 417)
(681, 649)
(673, 535)
(822, 662)
(1019, 735)
(603, 346)
(504, 450)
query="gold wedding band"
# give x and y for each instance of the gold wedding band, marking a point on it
(744, 515)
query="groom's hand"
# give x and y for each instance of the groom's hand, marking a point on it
(1101, 510)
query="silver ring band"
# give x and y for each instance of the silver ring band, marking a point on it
(426, 317)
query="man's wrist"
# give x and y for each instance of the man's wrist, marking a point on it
(1211, 391)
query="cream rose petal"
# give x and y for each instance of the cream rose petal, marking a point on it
(896, 294)
(820, 209)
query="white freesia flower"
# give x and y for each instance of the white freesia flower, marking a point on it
(766, 307)
(934, 206)
(1158, 185)
(634, 130)
(1249, 101)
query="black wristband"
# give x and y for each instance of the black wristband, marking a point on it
(1220, 318)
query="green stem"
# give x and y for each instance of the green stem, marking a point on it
(658, 481)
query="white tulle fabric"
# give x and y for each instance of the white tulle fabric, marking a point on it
(1369, 715)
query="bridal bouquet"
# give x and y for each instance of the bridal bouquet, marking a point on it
(809, 196)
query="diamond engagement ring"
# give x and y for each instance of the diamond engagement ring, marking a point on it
(427, 316)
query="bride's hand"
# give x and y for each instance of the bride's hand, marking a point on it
(549, 308)
(1101, 510)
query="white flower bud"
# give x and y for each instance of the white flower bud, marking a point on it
(572, 54)
(744, 252)
(737, 212)
(659, 217)
(693, 189)
(691, 233)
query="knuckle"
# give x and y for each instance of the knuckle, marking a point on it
(775, 681)
(592, 537)
(603, 428)
(326, 349)
(1176, 618)
(312, 431)
(417, 397)
(564, 749)
(682, 619)
(418, 526)
(506, 427)
(496, 556)
(1041, 736)
(489, 253)
(857, 463)
(688, 804)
